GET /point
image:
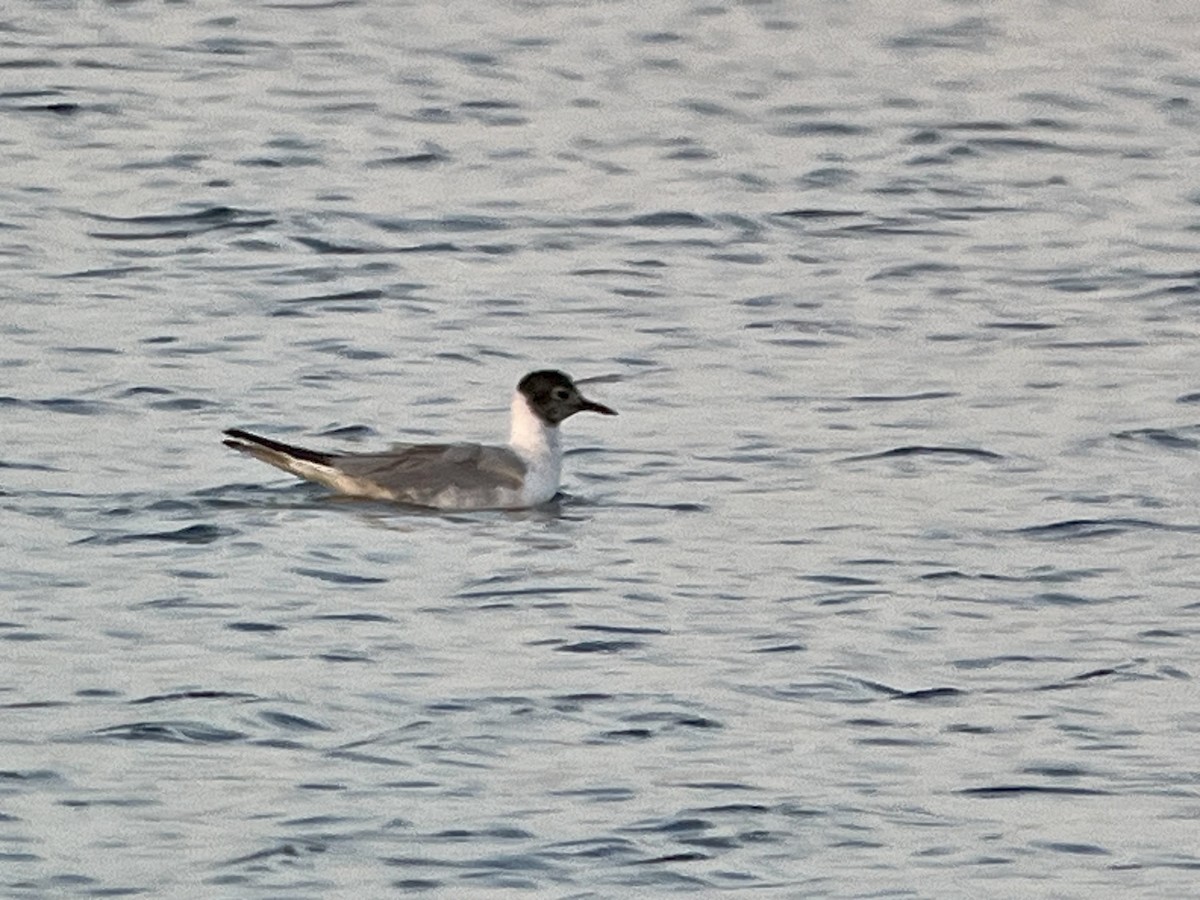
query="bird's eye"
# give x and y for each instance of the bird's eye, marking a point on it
(560, 393)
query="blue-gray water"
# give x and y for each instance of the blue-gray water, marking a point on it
(884, 583)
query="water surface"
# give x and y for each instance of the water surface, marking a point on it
(882, 584)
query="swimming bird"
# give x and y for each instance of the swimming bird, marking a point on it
(450, 476)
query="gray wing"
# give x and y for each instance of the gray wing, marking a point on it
(419, 473)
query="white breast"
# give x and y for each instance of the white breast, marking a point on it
(540, 446)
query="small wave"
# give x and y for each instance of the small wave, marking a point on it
(338, 577)
(621, 629)
(938, 693)
(193, 695)
(1186, 438)
(1073, 529)
(815, 213)
(192, 534)
(365, 294)
(352, 617)
(28, 467)
(180, 225)
(71, 406)
(255, 627)
(599, 646)
(169, 733)
(291, 722)
(919, 450)
(902, 398)
(1016, 790)
(812, 128)
(418, 160)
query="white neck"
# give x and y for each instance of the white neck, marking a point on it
(532, 438)
(540, 446)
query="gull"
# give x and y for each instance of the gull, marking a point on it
(450, 476)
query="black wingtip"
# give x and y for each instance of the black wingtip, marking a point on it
(247, 442)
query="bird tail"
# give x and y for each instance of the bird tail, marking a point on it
(297, 460)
